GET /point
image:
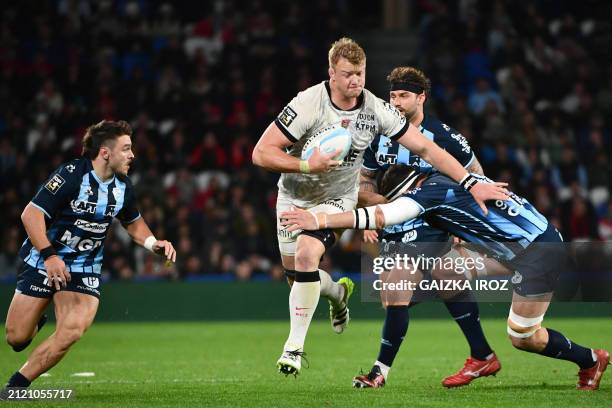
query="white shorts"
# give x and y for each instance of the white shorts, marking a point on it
(287, 240)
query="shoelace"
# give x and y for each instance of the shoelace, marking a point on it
(298, 353)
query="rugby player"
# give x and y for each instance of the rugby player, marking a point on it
(67, 222)
(409, 89)
(322, 184)
(513, 232)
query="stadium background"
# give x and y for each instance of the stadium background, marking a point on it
(529, 84)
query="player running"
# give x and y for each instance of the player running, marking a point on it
(67, 222)
(513, 232)
(321, 184)
(409, 89)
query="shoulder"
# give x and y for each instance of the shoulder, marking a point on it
(437, 127)
(312, 94)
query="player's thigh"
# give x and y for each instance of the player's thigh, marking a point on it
(24, 313)
(74, 311)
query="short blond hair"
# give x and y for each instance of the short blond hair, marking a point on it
(346, 48)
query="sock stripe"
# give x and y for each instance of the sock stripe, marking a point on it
(307, 276)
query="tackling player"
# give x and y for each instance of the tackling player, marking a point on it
(67, 222)
(322, 184)
(513, 232)
(409, 89)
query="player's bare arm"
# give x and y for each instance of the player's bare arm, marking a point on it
(475, 167)
(368, 192)
(140, 233)
(447, 164)
(269, 153)
(34, 222)
(368, 218)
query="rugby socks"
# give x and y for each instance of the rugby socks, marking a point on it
(303, 300)
(18, 381)
(330, 289)
(394, 330)
(562, 348)
(464, 310)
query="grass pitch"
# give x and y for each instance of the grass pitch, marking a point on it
(233, 364)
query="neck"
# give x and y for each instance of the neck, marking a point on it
(340, 100)
(102, 170)
(417, 118)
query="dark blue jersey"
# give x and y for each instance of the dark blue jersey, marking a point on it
(384, 152)
(79, 208)
(510, 227)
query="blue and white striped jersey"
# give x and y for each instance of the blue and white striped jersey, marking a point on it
(79, 208)
(384, 152)
(507, 230)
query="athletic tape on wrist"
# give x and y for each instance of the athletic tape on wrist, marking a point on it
(304, 166)
(364, 218)
(468, 182)
(149, 242)
(48, 252)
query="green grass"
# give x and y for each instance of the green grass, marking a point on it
(233, 364)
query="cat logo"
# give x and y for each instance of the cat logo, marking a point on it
(55, 183)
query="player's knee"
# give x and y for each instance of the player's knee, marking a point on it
(307, 257)
(525, 332)
(16, 338)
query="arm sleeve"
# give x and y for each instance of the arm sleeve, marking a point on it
(392, 122)
(400, 210)
(298, 116)
(56, 192)
(129, 213)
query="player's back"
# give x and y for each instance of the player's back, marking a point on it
(510, 226)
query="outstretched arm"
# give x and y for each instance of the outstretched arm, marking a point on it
(140, 233)
(373, 217)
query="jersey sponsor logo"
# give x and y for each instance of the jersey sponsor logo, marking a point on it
(91, 282)
(396, 112)
(77, 243)
(350, 158)
(287, 116)
(55, 183)
(91, 226)
(89, 191)
(465, 146)
(366, 122)
(70, 168)
(110, 210)
(80, 207)
(388, 158)
(335, 202)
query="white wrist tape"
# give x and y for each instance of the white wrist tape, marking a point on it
(149, 242)
(364, 218)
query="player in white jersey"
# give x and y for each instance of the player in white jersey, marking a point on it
(322, 184)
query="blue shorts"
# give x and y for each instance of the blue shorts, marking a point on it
(537, 269)
(33, 282)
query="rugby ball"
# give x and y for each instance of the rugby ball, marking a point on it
(329, 139)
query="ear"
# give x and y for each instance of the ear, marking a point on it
(331, 72)
(104, 152)
(422, 98)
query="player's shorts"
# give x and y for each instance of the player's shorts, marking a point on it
(287, 240)
(537, 269)
(33, 282)
(423, 241)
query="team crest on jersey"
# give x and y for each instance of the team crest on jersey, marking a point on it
(287, 116)
(70, 168)
(55, 184)
(517, 278)
(116, 193)
(345, 123)
(89, 191)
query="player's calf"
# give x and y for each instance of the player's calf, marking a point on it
(18, 339)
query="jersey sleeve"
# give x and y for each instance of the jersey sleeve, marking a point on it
(129, 212)
(391, 121)
(369, 156)
(455, 144)
(298, 117)
(57, 191)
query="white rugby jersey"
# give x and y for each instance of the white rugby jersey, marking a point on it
(310, 111)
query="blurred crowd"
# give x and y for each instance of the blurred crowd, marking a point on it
(528, 83)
